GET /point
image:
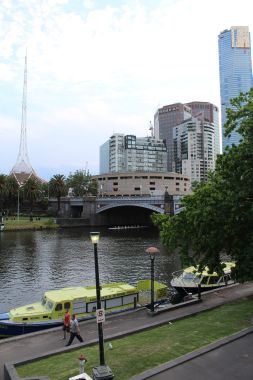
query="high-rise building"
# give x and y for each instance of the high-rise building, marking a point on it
(235, 72)
(167, 117)
(210, 113)
(104, 157)
(194, 148)
(128, 153)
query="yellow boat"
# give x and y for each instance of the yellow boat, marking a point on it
(190, 279)
(49, 312)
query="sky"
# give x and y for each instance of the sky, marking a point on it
(98, 67)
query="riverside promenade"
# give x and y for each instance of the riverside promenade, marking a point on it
(31, 346)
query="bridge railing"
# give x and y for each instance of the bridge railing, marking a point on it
(135, 199)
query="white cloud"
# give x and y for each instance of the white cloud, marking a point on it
(95, 68)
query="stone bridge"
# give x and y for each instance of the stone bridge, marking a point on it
(114, 210)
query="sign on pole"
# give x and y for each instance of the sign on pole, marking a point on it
(100, 314)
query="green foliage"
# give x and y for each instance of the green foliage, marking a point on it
(58, 188)
(35, 194)
(57, 185)
(218, 217)
(136, 353)
(79, 182)
(32, 191)
(11, 187)
(2, 191)
(93, 187)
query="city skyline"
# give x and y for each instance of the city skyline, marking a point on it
(97, 68)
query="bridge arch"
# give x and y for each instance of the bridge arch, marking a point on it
(103, 208)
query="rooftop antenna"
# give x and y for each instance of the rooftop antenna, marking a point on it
(22, 169)
(151, 128)
(86, 167)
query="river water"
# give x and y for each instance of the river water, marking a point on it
(32, 262)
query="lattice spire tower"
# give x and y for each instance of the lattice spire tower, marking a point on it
(22, 169)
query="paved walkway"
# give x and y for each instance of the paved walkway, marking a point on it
(230, 358)
(42, 343)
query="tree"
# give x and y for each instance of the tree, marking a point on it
(217, 219)
(2, 193)
(11, 191)
(81, 183)
(78, 182)
(93, 187)
(32, 192)
(58, 188)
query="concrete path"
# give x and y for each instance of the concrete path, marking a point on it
(42, 343)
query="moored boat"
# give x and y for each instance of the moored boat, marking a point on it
(190, 280)
(49, 312)
(123, 228)
(1, 226)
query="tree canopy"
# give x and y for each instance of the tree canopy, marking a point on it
(217, 219)
(32, 191)
(81, 184)
(58, 188)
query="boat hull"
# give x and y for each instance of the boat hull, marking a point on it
(194, 290)
(8, 328)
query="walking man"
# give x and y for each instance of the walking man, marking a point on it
(74, 330)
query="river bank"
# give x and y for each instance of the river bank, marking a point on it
(26, 224)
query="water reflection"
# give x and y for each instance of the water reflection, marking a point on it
(35, 261)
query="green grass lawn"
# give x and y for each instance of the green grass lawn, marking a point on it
(24, 223)
(141, 351)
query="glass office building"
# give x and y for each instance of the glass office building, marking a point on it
(235, 72)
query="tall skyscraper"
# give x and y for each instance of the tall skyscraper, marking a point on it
(235, 72)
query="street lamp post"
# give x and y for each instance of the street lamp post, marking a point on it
(18, 205)
(152, 251)
(18, 210)
(103, 371)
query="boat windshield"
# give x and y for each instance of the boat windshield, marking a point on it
(43, 301)
(188, 276)
(49, 305)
